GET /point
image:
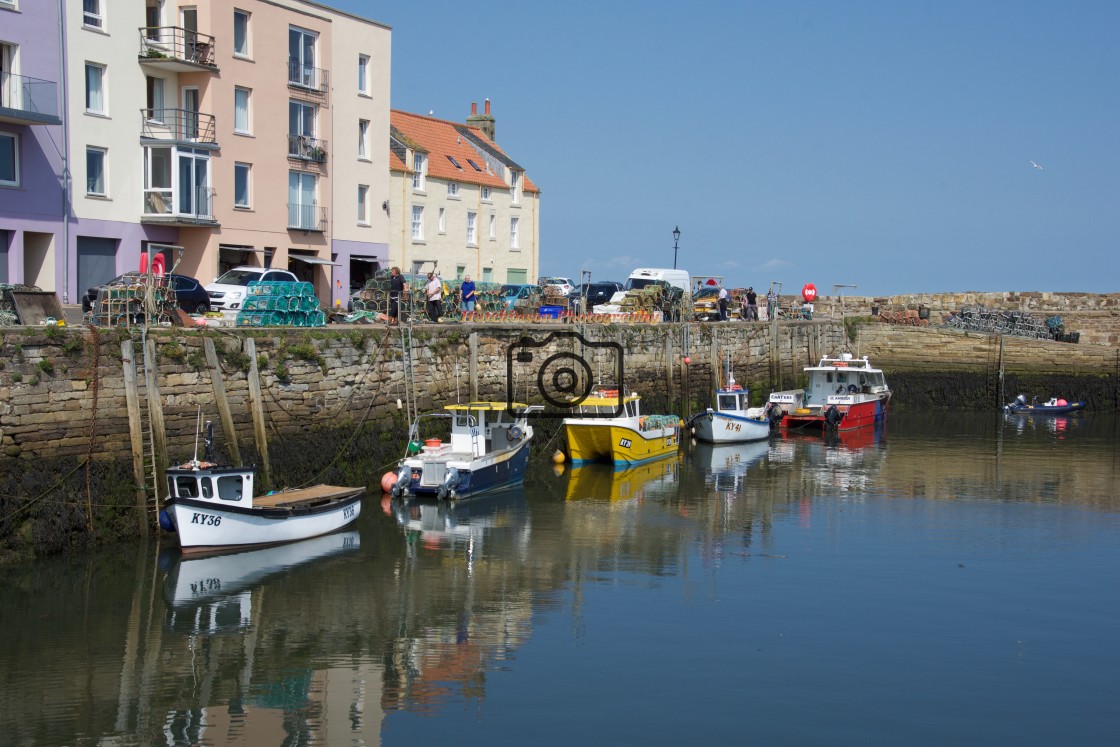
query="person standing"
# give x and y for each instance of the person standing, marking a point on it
(466, 291)
(396, 293)
(435, 296)
(723, 296)
(752, 304)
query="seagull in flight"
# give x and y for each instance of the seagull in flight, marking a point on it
(1032, 163)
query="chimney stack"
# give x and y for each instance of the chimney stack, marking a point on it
(484, 122)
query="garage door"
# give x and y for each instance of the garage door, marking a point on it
(97, 261)
(517, 276)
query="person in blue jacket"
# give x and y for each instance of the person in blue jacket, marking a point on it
(466, 291)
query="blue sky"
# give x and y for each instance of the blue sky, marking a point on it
(882, 144)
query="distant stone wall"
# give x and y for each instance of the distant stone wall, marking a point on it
(1095, 315)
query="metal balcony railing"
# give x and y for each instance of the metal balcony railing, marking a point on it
(307, 148)
(197, 205)
(305, 76)
(176, 44)
(177, 125)
(307, 217)
(36, 98)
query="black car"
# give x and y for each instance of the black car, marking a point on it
(192, 297)
(594, 293)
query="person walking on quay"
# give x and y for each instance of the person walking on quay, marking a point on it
(752, 305)
(396, 293)
(435, 296)
(466, 291)
(723, 296)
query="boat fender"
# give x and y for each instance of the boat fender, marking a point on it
(832, 416)
(515, 433)
(166, 523)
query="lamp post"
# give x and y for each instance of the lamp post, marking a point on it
(676, 240)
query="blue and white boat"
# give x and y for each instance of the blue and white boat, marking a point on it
(1055, 406)
(732, 420)
(488, 448)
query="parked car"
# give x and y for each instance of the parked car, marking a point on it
(591, 294)
(521, 296)
(564, 284)
(192, 297)
(228, 291)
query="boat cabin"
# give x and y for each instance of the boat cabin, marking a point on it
(481, 427)
(843, 381)
(605, 403)
(736, 398)
(231, 485)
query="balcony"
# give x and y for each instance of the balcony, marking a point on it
(28, 101)
(309, 80)
(306, 148)
(170, 207)
(177, 49)
(307, 217)
(178, 126)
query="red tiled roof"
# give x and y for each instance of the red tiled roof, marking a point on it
(442, 140)
(396, 164)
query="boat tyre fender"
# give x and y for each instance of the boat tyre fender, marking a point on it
(832, 416)
(852, 388)
(515, 433)
(773, 414)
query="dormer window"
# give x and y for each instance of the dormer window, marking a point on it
(418, 163)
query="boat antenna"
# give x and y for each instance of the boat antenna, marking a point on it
(730, 373)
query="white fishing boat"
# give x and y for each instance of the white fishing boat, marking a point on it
(212, 507)
(843, 393)
(732, 420)
(488, 449)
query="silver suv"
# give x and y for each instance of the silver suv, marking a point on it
(228, 291)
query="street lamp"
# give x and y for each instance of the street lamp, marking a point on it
(676, 239)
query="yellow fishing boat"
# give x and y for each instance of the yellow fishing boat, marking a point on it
(609, 427)
(609, 483)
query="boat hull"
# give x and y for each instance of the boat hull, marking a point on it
(476, 476)
(724, 428)
(593, 440)
(1046, 409)
(858, 415)
(203, 526)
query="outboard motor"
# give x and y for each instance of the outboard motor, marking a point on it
(447, 489)
(774, 414)
(832, 416)
(404, 479)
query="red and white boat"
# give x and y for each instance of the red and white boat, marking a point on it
(843, 393)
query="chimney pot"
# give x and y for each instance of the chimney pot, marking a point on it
(487, 107)
(474, 108)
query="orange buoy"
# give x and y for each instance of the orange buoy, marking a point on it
(558, 457)
(687, 361)
(388, 480)
(433, 442)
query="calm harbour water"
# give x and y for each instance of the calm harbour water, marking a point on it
(952, 580)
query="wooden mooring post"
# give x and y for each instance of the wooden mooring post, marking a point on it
(219, 387)
(256, 402)
(155, 415)
(135, 432)
(472, 343)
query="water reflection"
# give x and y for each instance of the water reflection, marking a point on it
(460, 610)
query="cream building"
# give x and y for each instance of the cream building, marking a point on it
(458, 203)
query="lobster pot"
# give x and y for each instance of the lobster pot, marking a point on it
(304, 289)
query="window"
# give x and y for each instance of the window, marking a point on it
(303, 206)
(240, 33)
(453, 189)
(418, 162)
(91, 14)
(493, 233)
(241, 111)
(301, 132)
(363, 74)
(472, 228)
(473, 165)
(301, 58)
(487, 274)
(158, 195)
(241, 173)
(417, 223)
(486, 194)
(454, 162)
(514, 187)
(9, 159)
(363, 139)
(442, 220)
(95, 172)
(363, 204)
(460, 271)
(155, 99)
(95, 88)
(514, 230)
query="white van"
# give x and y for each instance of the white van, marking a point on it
(642, 277)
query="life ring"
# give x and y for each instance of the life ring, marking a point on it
(852, 388)
(158, 267)
(515, 433)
